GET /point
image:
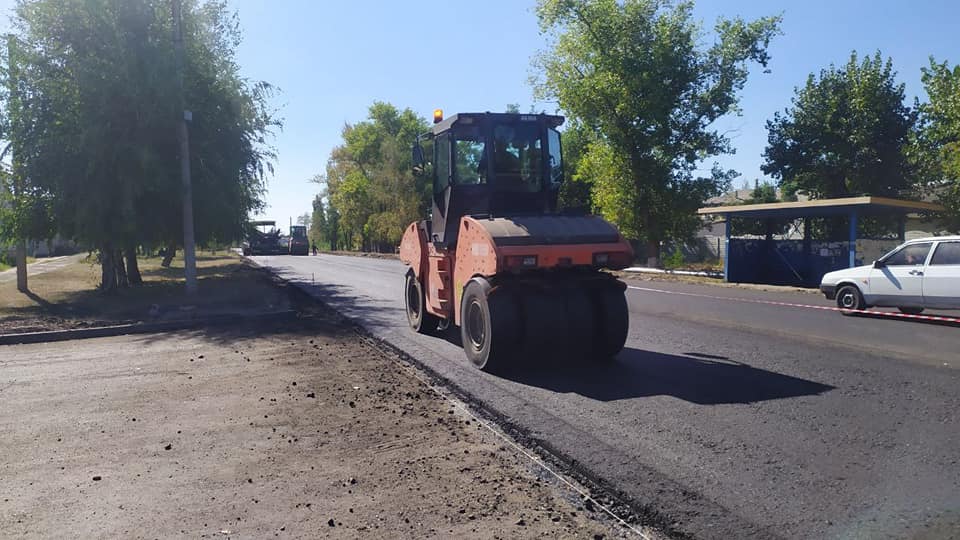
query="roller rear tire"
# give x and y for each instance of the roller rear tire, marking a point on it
(489, 326)
(418, 317)
(611, 312)
(582, 324)
(545, 325)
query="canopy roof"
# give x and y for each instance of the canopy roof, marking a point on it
(824, 207)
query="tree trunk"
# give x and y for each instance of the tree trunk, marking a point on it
(108, 272)
(120, 270)
(168, 255)
(133, 269)
(653, 253)
(21, 262)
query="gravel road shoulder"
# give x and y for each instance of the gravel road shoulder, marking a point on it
(298, 431)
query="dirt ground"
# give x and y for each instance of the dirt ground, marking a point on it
(289, 430)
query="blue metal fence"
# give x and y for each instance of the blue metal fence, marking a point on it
(784, 262)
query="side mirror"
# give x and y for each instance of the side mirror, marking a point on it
(879, 264)
(418, 161)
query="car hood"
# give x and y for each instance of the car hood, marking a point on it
(848, 273)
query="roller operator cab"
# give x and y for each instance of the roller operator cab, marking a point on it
(520, 279)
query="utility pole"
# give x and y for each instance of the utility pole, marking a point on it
(189, 249)
(16, 169)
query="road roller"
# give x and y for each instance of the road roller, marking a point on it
(497, 259)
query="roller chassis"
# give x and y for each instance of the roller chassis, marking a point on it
(546, 316)
(509, 317)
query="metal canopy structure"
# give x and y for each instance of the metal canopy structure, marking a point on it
(849, 207)
(265, 223)
(824, 208)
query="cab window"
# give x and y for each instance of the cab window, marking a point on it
(912, 255)
(468, 152)
(441, 175)
(556, 159)
(517, 157)
(947, 253)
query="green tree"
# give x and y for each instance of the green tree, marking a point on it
(25, 209)
(576, 189)
(846, 134)
(763, 193)
(938, 152)
(369, 179)
(98, 80)
(319, 226)
(635, 74)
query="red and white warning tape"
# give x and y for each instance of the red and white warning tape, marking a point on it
(938, 318)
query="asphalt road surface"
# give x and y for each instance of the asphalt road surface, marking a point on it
(731, 413)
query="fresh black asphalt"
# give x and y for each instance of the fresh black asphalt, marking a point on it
(725, 417)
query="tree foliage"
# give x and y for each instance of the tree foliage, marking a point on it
(635, 74)
(847, 134)
(576, 189)
(763, 193)
(370, 187)
(939, 136)
(100, 105)
(25, 209)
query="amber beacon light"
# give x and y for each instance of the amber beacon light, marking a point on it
(437, 116)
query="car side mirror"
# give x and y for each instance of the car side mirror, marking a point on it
(879, 264)
(417, 158)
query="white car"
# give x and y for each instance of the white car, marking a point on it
(919, 274)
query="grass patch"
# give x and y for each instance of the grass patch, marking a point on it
(8, 262)
(68, 297)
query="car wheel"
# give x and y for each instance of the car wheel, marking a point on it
(911, 310)
(849, 299)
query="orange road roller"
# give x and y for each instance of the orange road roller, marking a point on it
(498, 260)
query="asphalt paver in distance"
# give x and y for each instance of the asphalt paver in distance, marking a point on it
(300, 431)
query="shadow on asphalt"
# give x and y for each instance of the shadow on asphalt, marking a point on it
(701, 378)
(367, 310)
(637, 373)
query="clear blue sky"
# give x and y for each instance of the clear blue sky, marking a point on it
(332, 59)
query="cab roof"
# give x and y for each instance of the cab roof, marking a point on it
(552, 120)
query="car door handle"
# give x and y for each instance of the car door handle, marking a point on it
(916, 272)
